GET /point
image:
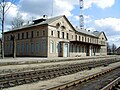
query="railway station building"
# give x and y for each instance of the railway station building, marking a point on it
(55, 37)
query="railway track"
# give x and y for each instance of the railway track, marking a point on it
(14, 79)
(114, 85)
(94, 82)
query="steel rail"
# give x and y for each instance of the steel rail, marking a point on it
(112, 84)
(81, 80)
(14, 79)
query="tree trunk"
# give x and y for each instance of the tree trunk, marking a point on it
(3, 31)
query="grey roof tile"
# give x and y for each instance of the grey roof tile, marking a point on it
(47, 21)
(85, 32)
(97, 33)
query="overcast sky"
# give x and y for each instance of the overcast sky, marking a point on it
(100, 15)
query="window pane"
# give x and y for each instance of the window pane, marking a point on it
(27, 47)
(27, 35)
(51, 46)
(22, 47)
(43, 45)
(37, 47)
(58, 33)
(32, 47)
(62, 34)
(31, 34)
(18, 48)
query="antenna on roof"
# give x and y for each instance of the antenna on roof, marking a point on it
(52, 8)
(81, 17)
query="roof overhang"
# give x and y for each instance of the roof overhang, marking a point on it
(80, 42)
(64, 42)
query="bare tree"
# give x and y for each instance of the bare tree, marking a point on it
(17, 21)
(4, 7)
(113, 48)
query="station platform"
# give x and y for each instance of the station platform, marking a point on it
(11, 65)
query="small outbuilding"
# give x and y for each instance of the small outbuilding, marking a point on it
(118, 51)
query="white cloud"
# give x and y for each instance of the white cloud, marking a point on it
(12, 11)
(44, 7)
(111, 27)
(40, 7)
(100, 3)
(36, 8)
(113, 23)
(114, 39)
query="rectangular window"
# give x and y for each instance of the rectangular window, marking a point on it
(58, 33)
(37, 34)
(51, 46)
(37, 47)
(72, 36)
(79, 38)
(32, 34)
(52, 33)
(85, 39)
(18, 48)
(22, 47)
(79, 49)
(43, 33)
(67, 36)
(88, 39)
(18, 36)
(75, 48)
(82, 38)
(27, 35)
(76, 37)
(32, 48)
(27, 47)
(11, 46)
(43, 45)
(83, 49)
(62, 34)
(22, 35)
(58, 47)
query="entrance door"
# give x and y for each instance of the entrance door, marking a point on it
(58, 48)
(87, 50)
(90, 50)
(66, 50)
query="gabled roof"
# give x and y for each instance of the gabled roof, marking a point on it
(118, 49)
(83, 31)
(97, 34)
(50, 20)
(46, 22)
